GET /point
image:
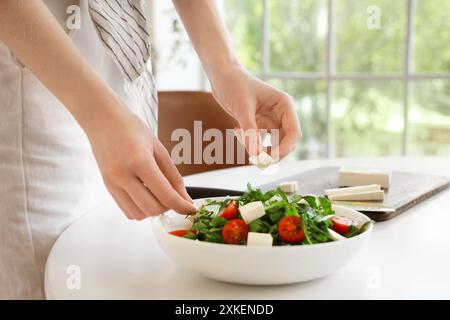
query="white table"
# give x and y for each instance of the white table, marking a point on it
(407, 257)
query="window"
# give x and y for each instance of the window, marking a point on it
(362, 89)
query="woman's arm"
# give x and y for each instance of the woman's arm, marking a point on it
(127, 153)
(208, 34)
(40, 43)
(254, 104)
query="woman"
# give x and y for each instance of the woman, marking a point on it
(67, 97)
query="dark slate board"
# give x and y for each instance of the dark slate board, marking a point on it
(406, 190)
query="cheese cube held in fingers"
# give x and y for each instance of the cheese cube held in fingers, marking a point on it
(262, 161)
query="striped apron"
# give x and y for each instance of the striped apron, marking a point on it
(122, 26)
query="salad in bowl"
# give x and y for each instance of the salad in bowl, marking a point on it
(263, 238)
(271, 218)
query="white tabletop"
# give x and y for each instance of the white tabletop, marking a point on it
(407, 257)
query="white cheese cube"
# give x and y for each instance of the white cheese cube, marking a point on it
(259, 239)
(262, 161)
(252, 211)
(358, 189)
(289, 186)
(362, 196)
(350, 177)
(275, 198)
(192, 218)
(334, 235)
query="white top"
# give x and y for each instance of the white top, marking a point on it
(407, 257)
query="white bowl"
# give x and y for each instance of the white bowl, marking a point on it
(258, 265)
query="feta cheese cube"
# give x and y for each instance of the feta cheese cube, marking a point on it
(350, 177)
(252, 211)
(358, 189)
(334, 235)
(275, 198)
(289, 186)
(361, 196)
(192, 218)
(257, 239)
(262, 161)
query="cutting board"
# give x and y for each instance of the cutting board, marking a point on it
(406, 190)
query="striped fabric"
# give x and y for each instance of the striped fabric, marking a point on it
(123, 28)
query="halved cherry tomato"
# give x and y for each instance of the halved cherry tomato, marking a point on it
(235, 232)
(290, 229)
(230, 211)
(342, 225)
(182, 232)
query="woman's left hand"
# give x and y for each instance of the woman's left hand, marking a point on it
(256, 105)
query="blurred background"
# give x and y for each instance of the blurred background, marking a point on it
(361, 89)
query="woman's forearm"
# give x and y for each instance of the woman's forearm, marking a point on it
(32, 33)
(208, 34)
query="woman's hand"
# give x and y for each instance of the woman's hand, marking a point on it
(136, 168)
(256, 105)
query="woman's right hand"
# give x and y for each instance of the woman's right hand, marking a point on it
(136, 168)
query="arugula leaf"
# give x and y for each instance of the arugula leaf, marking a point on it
(365, 226)
(311, 200)
(190, 235)
(295, 198)
(255, 195)
(259, 225)
(282, 194)
(274, 206)
(218, 222)
(213, 237)
(274, 229)
(200, 226)
(325, 206)
(354, 231)
(275, 216)
(305, 228)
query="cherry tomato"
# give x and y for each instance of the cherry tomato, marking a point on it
(235, 232)
(342, 225)
(230, 212)
(290, 229)
(182, 232)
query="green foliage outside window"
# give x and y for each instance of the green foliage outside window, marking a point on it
(366, 118)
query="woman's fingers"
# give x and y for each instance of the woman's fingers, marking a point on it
(143, 198)
(169, 169)
(126, 204)
(291, 131)
(248, 135)
(127, 153)
(161, 188)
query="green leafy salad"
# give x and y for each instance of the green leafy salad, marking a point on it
(270, 218)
